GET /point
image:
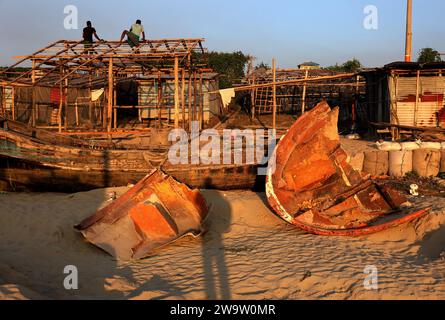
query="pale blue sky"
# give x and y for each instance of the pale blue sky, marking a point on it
(293, 31)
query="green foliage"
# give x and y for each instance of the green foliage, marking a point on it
(231, 66)
(429, 55)
(14, 71)
(263, 65)
(353, 65)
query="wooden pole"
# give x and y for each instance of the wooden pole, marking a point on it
(409, 32)
(416, 108)
(13, 102)
(59, 112)
(190, 99)
(252, 99)
(176, 93)
(65, 100)
(201, 104)
(303, 97)
(183, 96)
(274, 93)
(33, 106)
(195, 101)
(90, 101)
(110, 93)
(159, 99)
(115, 108)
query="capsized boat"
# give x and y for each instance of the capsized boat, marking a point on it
(155, 212)
(310, 183)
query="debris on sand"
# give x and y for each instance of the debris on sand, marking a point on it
(155, 212)
(311, 184)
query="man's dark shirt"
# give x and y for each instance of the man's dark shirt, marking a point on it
(88, 34)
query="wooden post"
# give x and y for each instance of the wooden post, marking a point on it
(190, 99)
(115, 108)
(110, 93)
(33, 103)
(176, 93)
(303, 97)
(201, 103)
(90, 101)
(65, 100)
(59, 112)
(183, 96)
(416, 107)
(159, 99)
(13, 102)
(252, 99)
(274, 93)
(194, 96)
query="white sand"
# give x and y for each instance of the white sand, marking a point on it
(248, 254)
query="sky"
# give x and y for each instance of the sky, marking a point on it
(292, 31)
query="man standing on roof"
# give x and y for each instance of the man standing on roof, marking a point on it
(134, 34)
(88, 33)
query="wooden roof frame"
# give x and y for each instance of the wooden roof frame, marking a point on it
(76, 59)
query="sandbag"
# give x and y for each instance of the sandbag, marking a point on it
(400, 163)
(426, 162)
(389, 146)
(443, 145)
(431, 145)
(407, 146)
(357, 161)
(376, 163)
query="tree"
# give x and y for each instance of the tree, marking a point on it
(230, 65)
(429, 55)
(353, 65)
(263, 65)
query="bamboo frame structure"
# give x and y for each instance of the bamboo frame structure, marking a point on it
(72, 64)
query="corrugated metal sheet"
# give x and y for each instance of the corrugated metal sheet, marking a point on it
(431, 100)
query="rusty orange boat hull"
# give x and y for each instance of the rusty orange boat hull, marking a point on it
(310, 183)
(155, 212)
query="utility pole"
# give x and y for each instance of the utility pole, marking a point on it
(409, 31)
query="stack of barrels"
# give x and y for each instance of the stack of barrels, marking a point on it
(426, 159)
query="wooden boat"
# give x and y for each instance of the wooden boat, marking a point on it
(311, 184)
(156, 212)
(38, 160)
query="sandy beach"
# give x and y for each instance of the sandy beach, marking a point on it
(248, 253)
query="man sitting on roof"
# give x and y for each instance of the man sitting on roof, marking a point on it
(88, 33)
(134, 34)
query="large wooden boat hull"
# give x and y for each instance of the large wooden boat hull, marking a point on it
(30, 164)
(312, 185)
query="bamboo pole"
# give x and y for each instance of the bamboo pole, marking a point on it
(110, 93)
(66, 104)
(115, 108)
(159, 105)
(190, 99)
(201, 104)
(176, 93)
(274, 93)
(183, 96)
(13, 102)
(33, 106)
(303, 97)
(252, 99)
(90, 101)
(416, 108)
(195, 102)
(59, 112)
